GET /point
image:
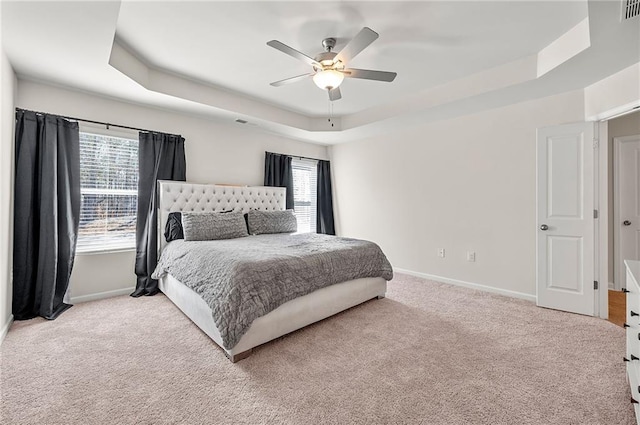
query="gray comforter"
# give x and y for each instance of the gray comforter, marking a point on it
(245, 278)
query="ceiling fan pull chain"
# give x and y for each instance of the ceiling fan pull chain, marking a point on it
(330, 112)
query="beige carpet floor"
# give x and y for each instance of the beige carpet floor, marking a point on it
(429, 353)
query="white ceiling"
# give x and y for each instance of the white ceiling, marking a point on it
(211, 58)
(426, 43)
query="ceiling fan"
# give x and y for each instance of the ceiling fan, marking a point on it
(329, 68)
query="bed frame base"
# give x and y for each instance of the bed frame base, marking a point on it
(240, 356)
(290, 316)
(234, 358)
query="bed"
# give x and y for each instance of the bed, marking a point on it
(288, 317)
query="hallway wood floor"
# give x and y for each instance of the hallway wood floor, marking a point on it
(617, 307)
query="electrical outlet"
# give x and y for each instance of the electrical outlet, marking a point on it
(471, 256)
(441, 252)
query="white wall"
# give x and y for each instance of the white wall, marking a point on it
(216, 153)
(614, 94)
(461, 184)
(8, 86)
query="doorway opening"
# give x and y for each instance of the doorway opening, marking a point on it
(622, 203)
(623, 144)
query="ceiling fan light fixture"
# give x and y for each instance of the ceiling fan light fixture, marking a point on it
(329, 68)
(328, 79)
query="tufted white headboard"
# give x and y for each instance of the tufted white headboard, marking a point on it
(182, 196)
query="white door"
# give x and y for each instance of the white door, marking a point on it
(565, 203)
(627, 204)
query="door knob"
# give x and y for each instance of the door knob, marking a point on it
(544, 227)
(626, 223)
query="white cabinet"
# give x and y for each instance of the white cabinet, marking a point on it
(632, 326)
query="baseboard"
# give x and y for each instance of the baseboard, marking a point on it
(5, 329)
(74, 300)
(101, 295)
(456, 282)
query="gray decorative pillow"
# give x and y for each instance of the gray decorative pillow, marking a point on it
(210, 226)
(264, 222)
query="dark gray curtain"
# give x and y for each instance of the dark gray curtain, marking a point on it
(278, 173)
(324, 218)
(46, 213)
(161, 157)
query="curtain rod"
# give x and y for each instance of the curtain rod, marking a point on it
(297, 156)
(95, 122)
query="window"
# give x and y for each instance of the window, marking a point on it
(305, 177)
(109, 190)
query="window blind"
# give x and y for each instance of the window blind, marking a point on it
(305, 199)
(109, 191)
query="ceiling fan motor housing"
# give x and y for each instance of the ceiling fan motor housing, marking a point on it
(328, 44)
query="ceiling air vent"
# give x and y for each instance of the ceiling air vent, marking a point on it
(241, 121)
(630, 9)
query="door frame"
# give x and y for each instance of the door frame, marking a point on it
(601, 224)
(618, 274)
(602, 202)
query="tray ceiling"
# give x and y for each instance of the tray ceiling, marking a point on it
(211, 59)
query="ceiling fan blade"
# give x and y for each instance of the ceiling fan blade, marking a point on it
(360, 42)
(334, 94)
(290, 80)
(292, 52)
(369, 74)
